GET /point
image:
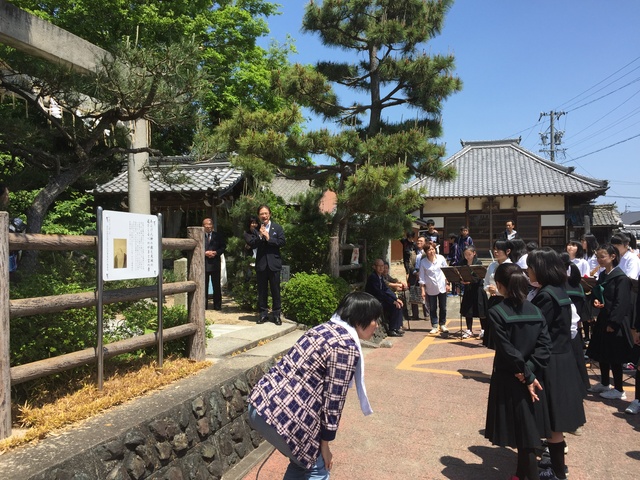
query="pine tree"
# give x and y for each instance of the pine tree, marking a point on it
(368, 157)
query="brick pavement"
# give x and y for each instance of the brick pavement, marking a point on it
(429, 399)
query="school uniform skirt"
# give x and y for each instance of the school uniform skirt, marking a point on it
(513, 419)
(564, 392)
(610, 347)
(578, 353)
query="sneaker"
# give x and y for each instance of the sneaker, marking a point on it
(444, 329)
(577, 431)
(633, 408)
(599, 388)
(467, 334)
(549, 474)
(628, 366)
(545, 462)
(481, 335)
(433, 331)
(614, 394)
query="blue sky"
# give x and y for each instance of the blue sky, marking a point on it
(518, 58)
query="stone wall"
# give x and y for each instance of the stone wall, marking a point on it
(201, 436)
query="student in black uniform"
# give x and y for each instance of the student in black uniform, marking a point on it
(576, 294)
(611, 339)
(474, 300)
(563, 388)
(515, 412)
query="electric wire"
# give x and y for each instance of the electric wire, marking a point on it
(628, 115)
(603, 148)
(591, 145)
(604, 96)
(568, 102)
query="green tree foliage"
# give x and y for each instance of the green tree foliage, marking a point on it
(368, 157)
(88, 135)
(172, 61)
(237, 69)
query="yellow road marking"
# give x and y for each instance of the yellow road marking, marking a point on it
(466, 374)
(412, 361)
(453, 359)
(414, 354)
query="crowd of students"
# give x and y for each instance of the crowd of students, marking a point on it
(535, 313)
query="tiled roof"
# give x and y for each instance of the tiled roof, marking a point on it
(606, 215)
(503, 167)
(631, 218)
(289, 189)
(190, 176)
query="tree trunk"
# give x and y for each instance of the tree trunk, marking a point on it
(376, 107)
(38, 209)
(334, 247)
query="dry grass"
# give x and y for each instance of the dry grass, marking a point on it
(66, 408)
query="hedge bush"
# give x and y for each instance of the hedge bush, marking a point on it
(311, 299)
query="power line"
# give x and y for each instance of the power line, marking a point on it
(603, 130)
(603, 148)
(601, 81)
(628, 115)
(605, 95)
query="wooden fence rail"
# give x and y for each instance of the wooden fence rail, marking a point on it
(17, 308)
(49, 366)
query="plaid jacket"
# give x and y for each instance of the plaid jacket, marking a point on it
(303, 394)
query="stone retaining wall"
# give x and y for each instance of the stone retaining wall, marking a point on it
(200, 437)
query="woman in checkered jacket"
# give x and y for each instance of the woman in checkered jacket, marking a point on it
(296, 406)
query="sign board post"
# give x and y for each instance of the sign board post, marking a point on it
(129, 246)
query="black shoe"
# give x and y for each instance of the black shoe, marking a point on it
(400, 331)
(394, 333)
(261, 320)
(276, 320)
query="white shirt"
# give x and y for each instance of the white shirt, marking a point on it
(593, 262)
(491, 270)
(630, 265)
(583, 266)
(522, 262)
(575, 318)
(431, 275)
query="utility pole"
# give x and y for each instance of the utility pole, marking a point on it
(554, 138)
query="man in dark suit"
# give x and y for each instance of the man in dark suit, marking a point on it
(214, 246)
(391, 304)
(268, 241)
(510, 232)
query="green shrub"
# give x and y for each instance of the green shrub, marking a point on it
(311, 299)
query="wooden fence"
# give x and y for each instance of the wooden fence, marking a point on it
(9, 309)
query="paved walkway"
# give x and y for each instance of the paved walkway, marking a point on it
(429, 398)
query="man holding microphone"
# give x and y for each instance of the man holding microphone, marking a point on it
(268, 241)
